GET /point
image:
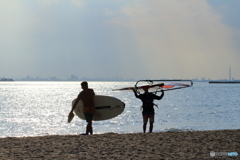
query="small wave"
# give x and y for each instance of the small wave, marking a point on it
(177, 130)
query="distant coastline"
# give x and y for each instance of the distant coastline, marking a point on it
(6, 79)
(106, 79)
(224, 81)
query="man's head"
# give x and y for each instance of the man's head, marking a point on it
(145, 88)
(84, 85)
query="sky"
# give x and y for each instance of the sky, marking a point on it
(139, 39)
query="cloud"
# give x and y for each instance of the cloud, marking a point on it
(179, 38)
(229, 11)
(48, 2)
(13, 29)
(130, 39)
(78, 3)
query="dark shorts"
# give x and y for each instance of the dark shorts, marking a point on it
(88, 116)
(149, 115)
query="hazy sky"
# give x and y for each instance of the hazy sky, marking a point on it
(139, 39)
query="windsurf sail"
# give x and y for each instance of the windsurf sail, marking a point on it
(158, 85)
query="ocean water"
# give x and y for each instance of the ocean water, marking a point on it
(41, 108)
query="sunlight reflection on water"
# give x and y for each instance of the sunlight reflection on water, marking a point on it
(41, 108)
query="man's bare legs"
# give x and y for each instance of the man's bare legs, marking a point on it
(89, 128)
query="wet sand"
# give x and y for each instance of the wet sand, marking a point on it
(162, 145)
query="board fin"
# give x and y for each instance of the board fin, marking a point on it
(70, 117)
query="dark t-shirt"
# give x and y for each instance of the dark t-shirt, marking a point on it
(147, 100)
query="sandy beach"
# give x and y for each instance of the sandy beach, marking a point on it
(162, 145)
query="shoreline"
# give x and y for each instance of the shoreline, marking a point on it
(157, 145)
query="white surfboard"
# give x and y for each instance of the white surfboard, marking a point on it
(106, 107)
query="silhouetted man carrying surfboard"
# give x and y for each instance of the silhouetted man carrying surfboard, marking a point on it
(147, 99)
(86, 95)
